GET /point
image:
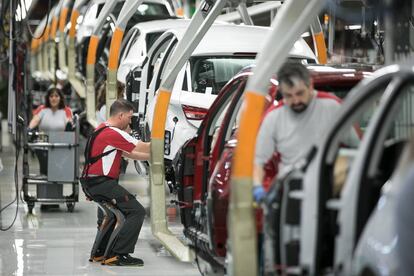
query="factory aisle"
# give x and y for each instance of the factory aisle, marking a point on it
(56, 242)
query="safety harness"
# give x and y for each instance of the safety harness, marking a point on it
(89, 182)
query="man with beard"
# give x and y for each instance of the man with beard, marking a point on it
(292, 127)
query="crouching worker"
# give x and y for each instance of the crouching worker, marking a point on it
(100, 175)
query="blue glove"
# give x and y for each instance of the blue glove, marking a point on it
(258, 193)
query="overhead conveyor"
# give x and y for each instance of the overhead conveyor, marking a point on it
(242, 264)
(319, 41)
(43, 60)
(52, 40)
(292, 20)
(91, 61)
(245, 13)
(128, 10)
(63, 17)
(37, 48)
(45, 48)
(200, 23)
(251, 11)
(74, 79)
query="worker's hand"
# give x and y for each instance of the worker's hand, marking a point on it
(32, 135)
(258, 193)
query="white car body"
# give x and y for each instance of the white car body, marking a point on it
(136, 45)
(241, 41)
(90, 18)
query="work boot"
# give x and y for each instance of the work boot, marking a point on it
(124, 260)
(98, 257)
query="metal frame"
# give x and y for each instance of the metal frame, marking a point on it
(243, 234)
(63, 17)
(52, 40)
(128, 10)
(200, 23)
(292, 19)
(77, 84)
(91, 61)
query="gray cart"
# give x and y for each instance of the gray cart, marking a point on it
(61, 150)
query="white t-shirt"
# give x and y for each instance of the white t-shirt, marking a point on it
(293, 134)
(53, 120)
(101, 115)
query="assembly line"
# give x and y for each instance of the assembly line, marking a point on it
(214, 137)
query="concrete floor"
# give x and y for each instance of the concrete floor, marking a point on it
(57, 242)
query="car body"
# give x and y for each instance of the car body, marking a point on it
(211, 65)
(149, 8)
(147, 11)
(340, 189)
(203, 170)
(139, 40)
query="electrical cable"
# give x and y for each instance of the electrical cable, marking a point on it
(32, 35)
(18, 84)
(16, 183)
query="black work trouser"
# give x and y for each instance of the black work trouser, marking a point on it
(133, 211)
(42, 155)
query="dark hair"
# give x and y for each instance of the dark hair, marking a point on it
(101, 93)
(290, 71)
(50, 91)
(120, 105)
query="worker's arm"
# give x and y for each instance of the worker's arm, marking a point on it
(35, 121)
(265, 146)
(258, 175)
(140, 152)
(258, 190)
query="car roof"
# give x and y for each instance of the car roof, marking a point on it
(335, 75)
(160, 25)
(248, 38)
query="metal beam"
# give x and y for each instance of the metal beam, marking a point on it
(63, 17)
(242, 9)
(128, 10)
(200, 23)
(252, 11)
(292, 19)
(78, 85)
(91, 62)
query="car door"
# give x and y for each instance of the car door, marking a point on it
(390, 130)
(206, 76)
(328, 174)
(151, 73)
(191, 165)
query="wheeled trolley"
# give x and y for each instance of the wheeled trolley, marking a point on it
(58, 154)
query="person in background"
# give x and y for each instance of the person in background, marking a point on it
(54, 115)
(293, 126)
(101, 100)
(100, 103)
